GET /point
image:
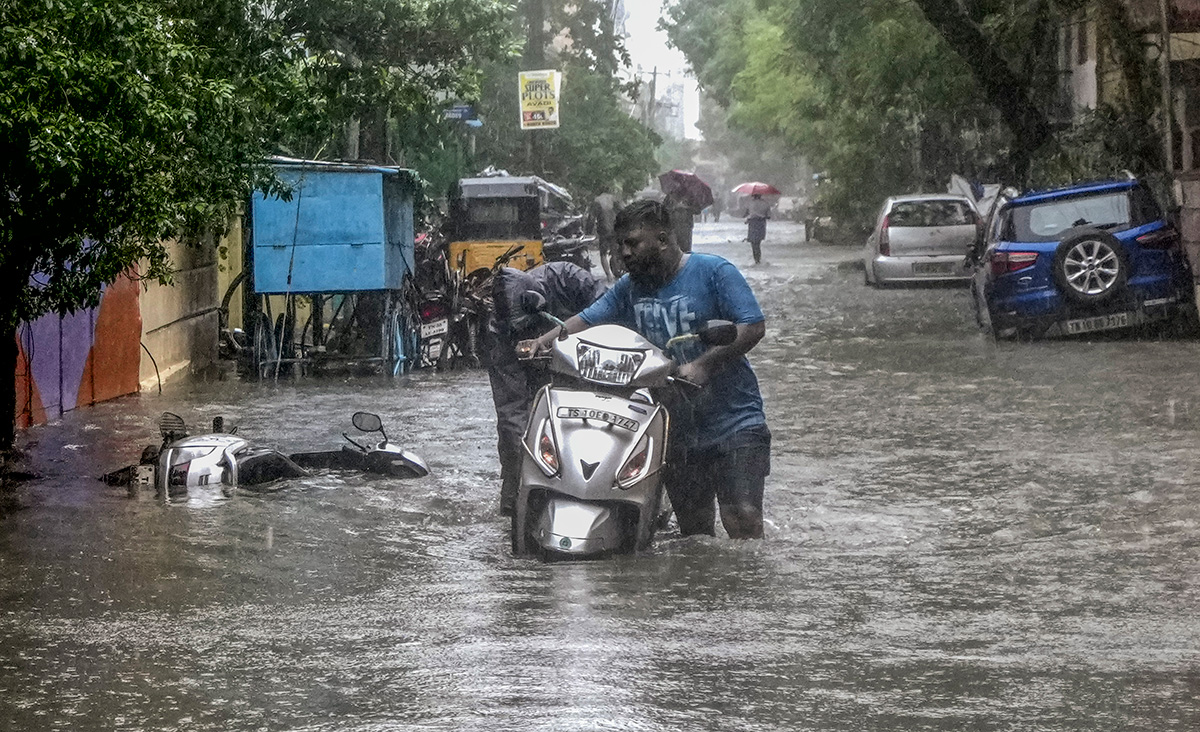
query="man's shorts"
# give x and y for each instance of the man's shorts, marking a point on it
(733, 470)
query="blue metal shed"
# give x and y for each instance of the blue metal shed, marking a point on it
(347, 228)
(343, 245)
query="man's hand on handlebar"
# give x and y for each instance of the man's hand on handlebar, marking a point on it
(693, 373)
(527, 348)
(537, 347)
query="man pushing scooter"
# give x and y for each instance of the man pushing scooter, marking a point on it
(723, 454)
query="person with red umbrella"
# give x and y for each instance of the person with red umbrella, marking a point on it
(758, 210)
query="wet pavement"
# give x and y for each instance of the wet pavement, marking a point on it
(963, 535)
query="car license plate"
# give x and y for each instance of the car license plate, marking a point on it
(1102, 322)
(602, 416)
(933, 267)
(437, 327)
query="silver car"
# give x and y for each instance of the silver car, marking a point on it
(921, 238)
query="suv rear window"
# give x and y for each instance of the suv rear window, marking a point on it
(1048, 221)
(930, 213)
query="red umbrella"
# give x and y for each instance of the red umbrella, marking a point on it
(755, 188)
(687, 186)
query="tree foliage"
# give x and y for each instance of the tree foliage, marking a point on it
(114, 135)
(886, 97)
(598, 145)
(127, 122)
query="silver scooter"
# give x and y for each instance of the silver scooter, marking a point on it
(596, 444)
(217, 458)
(221, 458)
(383, 457)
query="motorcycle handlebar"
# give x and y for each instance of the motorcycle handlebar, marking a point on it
(689, 387)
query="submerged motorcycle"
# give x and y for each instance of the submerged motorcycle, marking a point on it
(596, 443)
(221, 458)
(381, 458)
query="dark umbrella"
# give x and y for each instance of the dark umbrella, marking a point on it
(688, 186)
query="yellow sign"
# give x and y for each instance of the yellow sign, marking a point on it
(539, 99)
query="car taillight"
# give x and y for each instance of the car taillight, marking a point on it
(432, 310)
(1005, 262)
(1160, 239)
(885, 244)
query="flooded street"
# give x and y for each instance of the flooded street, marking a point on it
(963, 535)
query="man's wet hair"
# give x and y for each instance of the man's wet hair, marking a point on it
(645, 212)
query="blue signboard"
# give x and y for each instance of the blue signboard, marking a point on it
(460, 112)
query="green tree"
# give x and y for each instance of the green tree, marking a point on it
(118, 130)
(598, 145)
(867, 92)
(127, 122)
(380, 65)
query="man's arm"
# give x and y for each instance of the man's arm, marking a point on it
(534, 346)
(717, 358)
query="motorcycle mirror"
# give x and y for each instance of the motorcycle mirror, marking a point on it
(367, 422)
(171, 425)
(718, 333)
(532, 302)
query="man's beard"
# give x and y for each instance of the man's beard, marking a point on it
(643, 275)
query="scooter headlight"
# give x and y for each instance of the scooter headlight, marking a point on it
(181, 462)
(188, 454)
(607, 365)
(637, 466)
(546, 450)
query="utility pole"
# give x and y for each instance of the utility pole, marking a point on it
(1164, 72)
(535, 58)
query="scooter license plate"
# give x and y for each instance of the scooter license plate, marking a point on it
(600, 415)
(437, 327)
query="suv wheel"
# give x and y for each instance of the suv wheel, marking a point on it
(1090, 267)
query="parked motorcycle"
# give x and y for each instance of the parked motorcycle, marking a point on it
(596, 443)
(470, 307)
(221, 458)
(569, 249)
(382, 458)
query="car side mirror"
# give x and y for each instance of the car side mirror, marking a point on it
(367, 422)
(718, 333)
(532, 302)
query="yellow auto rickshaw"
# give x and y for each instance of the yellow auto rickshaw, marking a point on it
(493, 214)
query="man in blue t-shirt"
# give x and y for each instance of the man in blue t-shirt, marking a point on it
(724, 452)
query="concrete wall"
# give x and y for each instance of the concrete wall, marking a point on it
(180, 321)
(1187, 190)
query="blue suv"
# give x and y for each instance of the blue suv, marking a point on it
(1086, 258)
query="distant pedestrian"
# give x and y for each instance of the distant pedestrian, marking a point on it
(600, 218)
(718, 205)
(758, 210)
(683, 216)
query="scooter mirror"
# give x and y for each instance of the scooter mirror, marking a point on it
(533, 302)
(367, 422)
(171, 426)
(718, 333)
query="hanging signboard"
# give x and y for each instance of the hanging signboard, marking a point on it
(539, 99)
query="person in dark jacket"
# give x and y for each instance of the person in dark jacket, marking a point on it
(567, 289)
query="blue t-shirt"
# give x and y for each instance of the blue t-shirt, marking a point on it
(707, 287)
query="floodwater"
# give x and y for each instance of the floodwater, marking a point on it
(963, 535)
